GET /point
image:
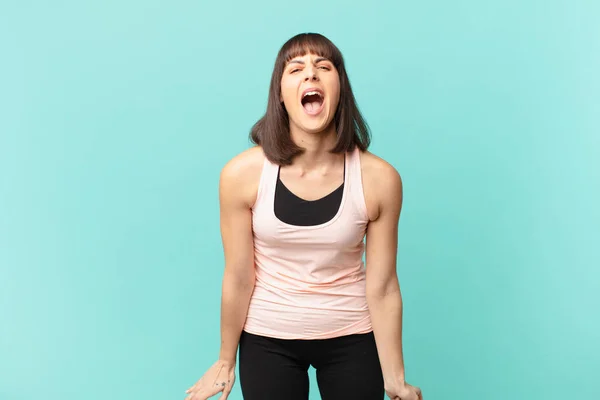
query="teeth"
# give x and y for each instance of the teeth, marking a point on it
(311, 93)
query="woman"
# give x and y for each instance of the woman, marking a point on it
(295, 210)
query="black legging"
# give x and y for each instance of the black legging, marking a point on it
(347, 368)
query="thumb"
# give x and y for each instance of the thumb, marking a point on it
(225, 394)
(419, 393)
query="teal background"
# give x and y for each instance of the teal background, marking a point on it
(117, 116)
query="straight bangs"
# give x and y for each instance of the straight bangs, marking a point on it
(311, 44)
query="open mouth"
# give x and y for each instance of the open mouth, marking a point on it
(312, 101)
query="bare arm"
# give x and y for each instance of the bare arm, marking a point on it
(236, 232)
(383, 290)
(237, 193)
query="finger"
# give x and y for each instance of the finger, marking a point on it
(193, 395)
(225, 395)
(202, 396)
(194, 386)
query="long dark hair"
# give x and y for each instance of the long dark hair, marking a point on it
(272, 131)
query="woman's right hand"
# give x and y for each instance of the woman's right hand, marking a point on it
(219, 378)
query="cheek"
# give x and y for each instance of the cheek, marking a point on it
(288, 90)
(332, 84)
(335, 95)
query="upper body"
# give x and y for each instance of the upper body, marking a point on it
(311, 127)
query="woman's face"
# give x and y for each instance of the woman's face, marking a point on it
(310, 91)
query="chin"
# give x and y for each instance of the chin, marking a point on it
(314, 123)
(314, 127)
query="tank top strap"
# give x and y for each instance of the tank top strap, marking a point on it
(355, 181)
(267, 182)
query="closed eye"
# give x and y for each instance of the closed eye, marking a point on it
(323, 67)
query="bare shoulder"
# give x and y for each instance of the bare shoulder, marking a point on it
(241, 174)
(244, 164)
(376, 168)
(382, 185)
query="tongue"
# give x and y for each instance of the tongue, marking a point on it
(312, 106)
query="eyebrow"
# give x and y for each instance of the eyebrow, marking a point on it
(318, 60)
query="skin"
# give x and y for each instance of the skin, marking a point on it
(311, 176)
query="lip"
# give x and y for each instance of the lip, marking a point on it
(313, 89)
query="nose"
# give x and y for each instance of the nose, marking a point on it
(311, 74)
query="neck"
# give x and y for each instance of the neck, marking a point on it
(317, 147)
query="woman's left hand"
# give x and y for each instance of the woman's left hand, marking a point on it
(403, 391)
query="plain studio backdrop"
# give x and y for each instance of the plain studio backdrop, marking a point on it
(116, 118)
